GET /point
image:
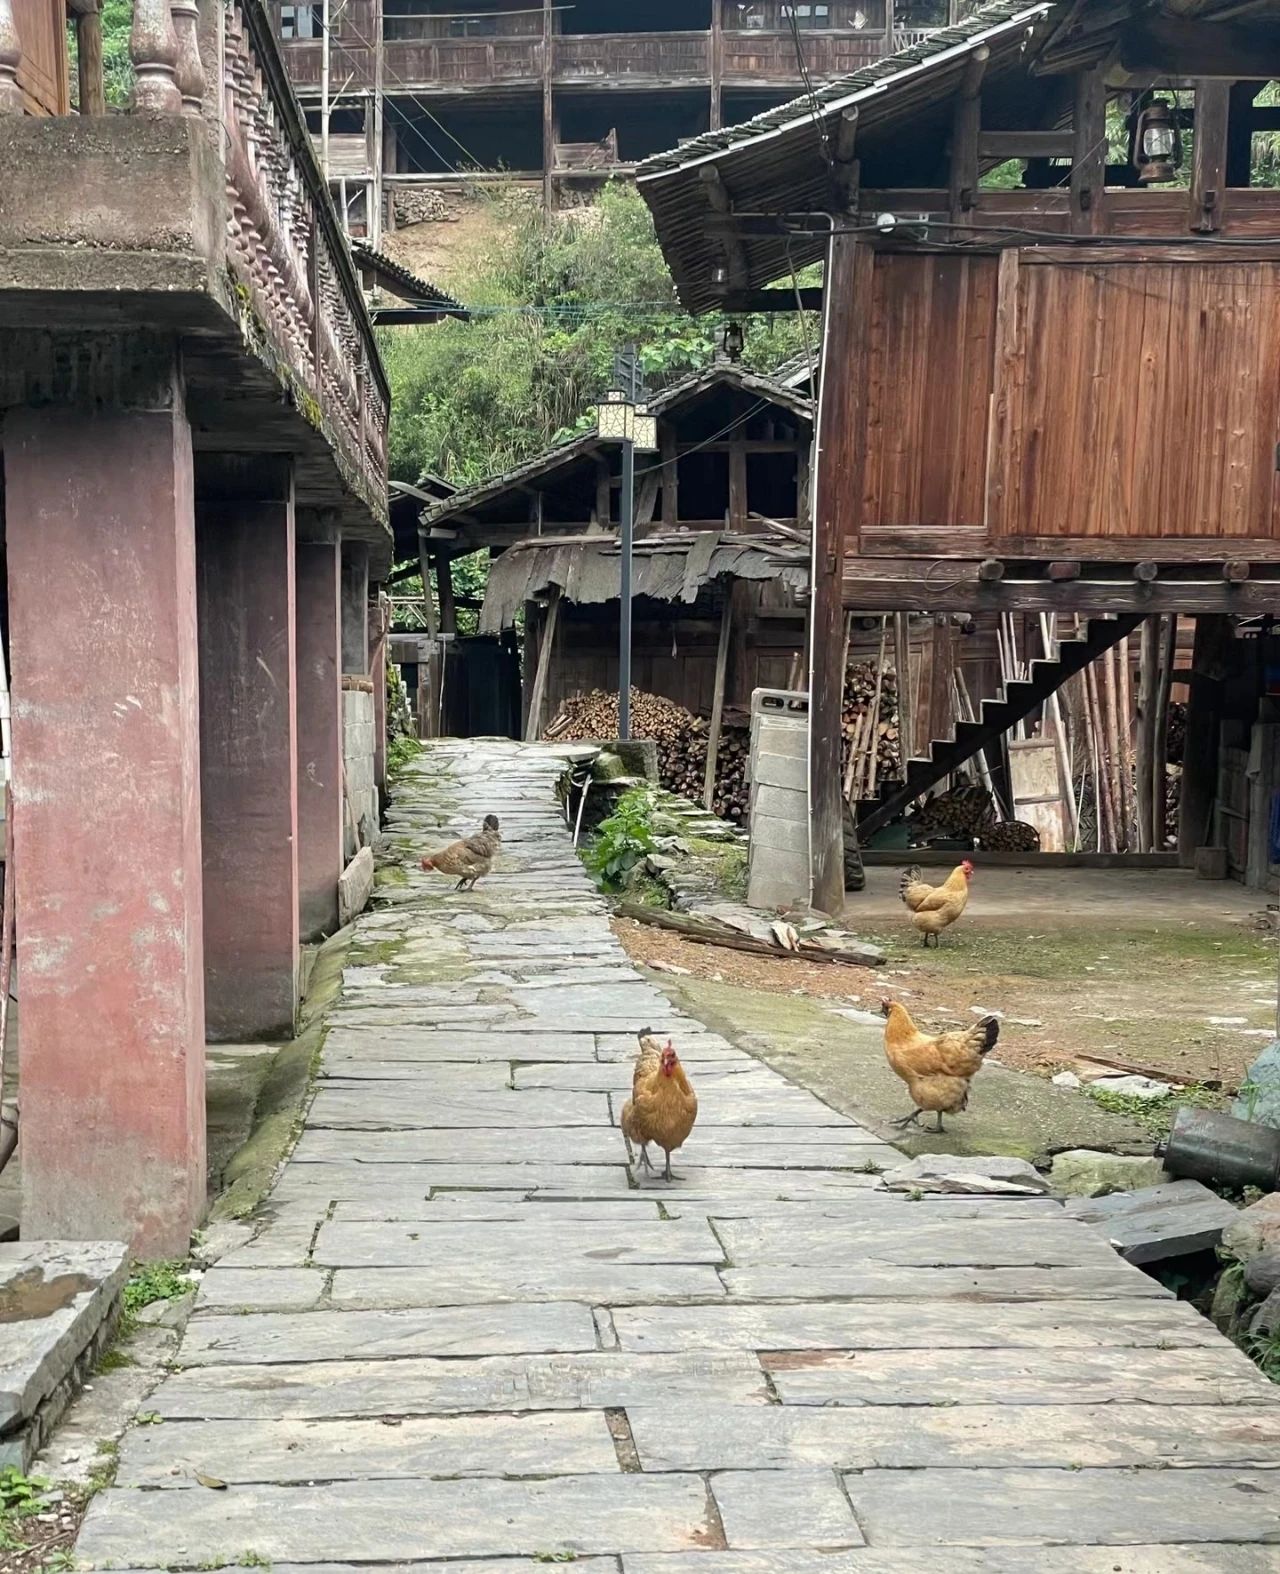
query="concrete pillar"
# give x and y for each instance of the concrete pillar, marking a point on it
(318, 579)
(249, 754)
(355, 608)
(102, 608)
(378, 672)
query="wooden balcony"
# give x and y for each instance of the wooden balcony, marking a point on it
(456, 64)
(620, 58)
(202, 215)
(753, 59)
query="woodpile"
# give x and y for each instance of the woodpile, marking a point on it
(681, 738)
(871, 746)
(967, 812)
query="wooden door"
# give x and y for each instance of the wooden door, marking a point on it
(42, 71)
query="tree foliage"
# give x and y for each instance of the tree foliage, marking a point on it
(555, 295)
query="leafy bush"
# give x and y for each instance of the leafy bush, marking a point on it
(623, 840)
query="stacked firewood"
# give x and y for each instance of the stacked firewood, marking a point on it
(865, 733)
(967, 812)
(681, 738)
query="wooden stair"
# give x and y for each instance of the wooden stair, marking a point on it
(1016, 701)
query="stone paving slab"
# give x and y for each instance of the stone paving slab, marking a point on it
(597, 1380)
(389, 1520)
(1112, 1507)
(784, 1508)
(468, 1337)
(1217, 1375)
(819, 1328)
(916, 1437)
(567, 1442)
(896, 1283)
(362, 1336)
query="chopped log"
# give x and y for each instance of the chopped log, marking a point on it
(703, 931)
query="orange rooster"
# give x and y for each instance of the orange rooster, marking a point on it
(937, 1070)
(936, 907)
(662, 1107)
(470, 857)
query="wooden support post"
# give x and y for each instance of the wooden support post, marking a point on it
(845, 167)
(534, 724)
(604, 494)
(430, 678)
(1209, 155)
(670, 477)
(966, 126)
(1200, 747)
(717, 699)
(448, 611)
(721, 204)
(1124, 727)
(1089, 151)
(92, 90)
(715, 111)
(737, 485)
(838, 488)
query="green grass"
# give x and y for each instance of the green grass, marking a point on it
(1155, 1115)
(150, 1281)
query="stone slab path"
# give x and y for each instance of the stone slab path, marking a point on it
(466, 1334)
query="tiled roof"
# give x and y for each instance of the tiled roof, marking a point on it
(408, 286)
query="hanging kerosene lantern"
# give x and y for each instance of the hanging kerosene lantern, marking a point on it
(1157, 143)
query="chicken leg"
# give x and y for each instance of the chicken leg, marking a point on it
(666, 1174)
(645, 1159)
(907, 1120)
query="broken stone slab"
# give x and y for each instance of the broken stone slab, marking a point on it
(1131, 1086)
(1259, 1096)
(527, 1280)
(58, 1303)
(1262, 1274)
(355, 886)
(1254, 1229)
(784, 1508)
(391, 1521)
(1085, 1172)
(1158, 1222)
(261, 1289)
(534, 1444)
(271, 1337)
(969, 1175)
(1113, 1508)
(911, 1239)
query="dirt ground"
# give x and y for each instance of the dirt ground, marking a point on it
(1147, 969)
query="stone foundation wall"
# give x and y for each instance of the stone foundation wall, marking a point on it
(357, 752)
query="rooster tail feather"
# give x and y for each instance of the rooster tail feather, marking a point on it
(909, 877)
(990, 1033)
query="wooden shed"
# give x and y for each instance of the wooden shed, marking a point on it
(1050, 381)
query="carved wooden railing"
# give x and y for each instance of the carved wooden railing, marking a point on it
(293, 283)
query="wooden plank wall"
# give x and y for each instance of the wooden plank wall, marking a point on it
(930, 347)
(43, 70)
(1142, 401)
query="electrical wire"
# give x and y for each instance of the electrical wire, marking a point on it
(815, 109)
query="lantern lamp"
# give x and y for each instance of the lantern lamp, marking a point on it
(732, 340)
(1157, 143)
(645, 431)
(615, 417)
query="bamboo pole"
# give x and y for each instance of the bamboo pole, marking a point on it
(1066, 781)
(1160, 726)
(1111, 745)
(851, 768)
(875, 704)
(1104, 805)
(1124, 728)
(1148, 684)
(902, 670)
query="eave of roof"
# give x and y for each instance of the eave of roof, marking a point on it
(405, 285)
(579, 448)
(773, 162)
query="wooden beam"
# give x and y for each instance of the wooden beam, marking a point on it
(1025, 144)
(719, 201)
(774, 300)
(429, 680)
(1178, 46)
(533, 726)
(1209, 155)
(670, 476)
(1200, 748)
(448, 611)
(896, 585)
(1088, 152)
(737, 486)
(717, 697)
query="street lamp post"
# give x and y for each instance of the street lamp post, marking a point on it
(621, 419)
